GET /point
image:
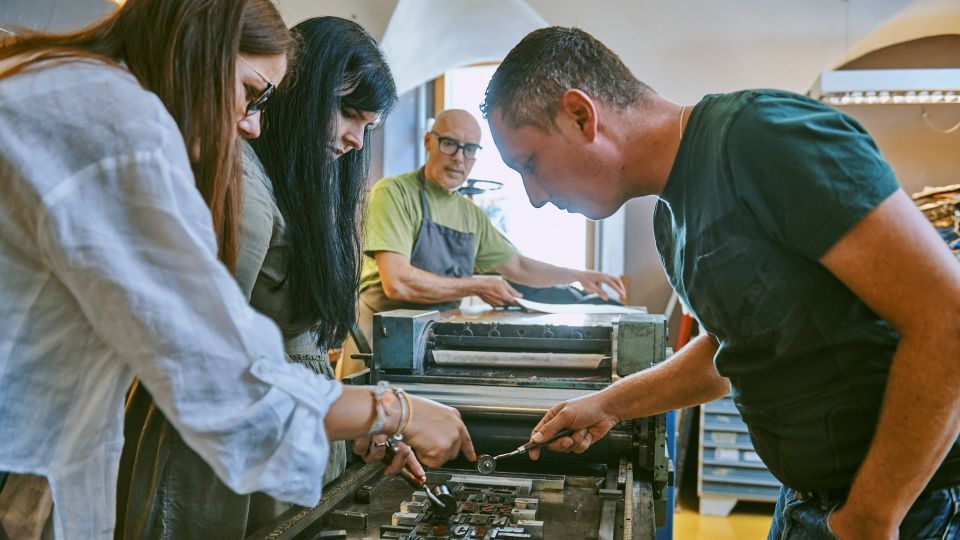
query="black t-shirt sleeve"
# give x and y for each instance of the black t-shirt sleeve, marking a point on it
(806, 171)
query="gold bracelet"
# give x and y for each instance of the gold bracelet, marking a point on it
(401, 398)
(409, 418)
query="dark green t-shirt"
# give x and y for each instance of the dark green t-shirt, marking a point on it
(764, 183)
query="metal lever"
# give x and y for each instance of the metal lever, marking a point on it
(360, 340)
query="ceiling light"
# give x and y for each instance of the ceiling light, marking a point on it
(888, 86)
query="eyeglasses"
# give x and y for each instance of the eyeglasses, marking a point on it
(450, 146)
(259, 102)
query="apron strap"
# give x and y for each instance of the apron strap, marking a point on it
(424, 207)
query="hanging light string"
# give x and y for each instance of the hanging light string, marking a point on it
(926, 118)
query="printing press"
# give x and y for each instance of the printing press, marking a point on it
(503, 369)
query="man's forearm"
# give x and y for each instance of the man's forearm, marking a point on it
(919, 421)
(421, 287)
(534, 273)
(686, 379)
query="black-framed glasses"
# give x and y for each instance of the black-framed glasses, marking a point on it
(259, 102)
(450, 146)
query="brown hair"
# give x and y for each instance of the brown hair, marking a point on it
(533, 77)
(185, 52)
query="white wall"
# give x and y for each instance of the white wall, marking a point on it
(919, 155)
(373, 15)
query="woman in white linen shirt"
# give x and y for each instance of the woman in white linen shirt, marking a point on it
(118, 174)
(298, 264)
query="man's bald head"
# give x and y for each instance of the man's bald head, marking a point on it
(458, 120)
(458, 125)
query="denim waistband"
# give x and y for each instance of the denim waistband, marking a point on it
(827, 498)
(835, 497)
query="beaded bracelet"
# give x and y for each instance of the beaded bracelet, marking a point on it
(406, 410)
(381, 418)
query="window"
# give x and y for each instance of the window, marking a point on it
(547, 234)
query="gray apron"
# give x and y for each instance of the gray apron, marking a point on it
(439, 250)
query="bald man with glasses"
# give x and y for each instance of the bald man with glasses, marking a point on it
(424, 242)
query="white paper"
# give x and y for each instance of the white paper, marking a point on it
(576, 308)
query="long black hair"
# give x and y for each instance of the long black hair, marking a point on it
(339, 68)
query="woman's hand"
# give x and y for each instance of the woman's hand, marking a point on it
(437, 433)
(433, 430)
(374, 448)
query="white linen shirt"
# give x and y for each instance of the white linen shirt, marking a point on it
(109, 270)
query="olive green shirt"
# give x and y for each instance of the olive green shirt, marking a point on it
(393, 217)
(261, 262)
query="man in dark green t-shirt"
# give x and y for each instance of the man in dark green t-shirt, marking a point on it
(784, 230)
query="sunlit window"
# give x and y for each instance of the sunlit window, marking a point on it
(547, 234)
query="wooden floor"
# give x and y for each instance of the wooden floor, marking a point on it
(748, 521)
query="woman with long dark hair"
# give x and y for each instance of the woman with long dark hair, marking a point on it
(341, 86)
(310, 268)
(304, 180)
(312, 150)
(117, 168)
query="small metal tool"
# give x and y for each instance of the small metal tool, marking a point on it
(442, 502)
(345, 519)
(487, 464)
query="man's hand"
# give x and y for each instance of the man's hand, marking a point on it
(593, 282)
(588, 414)
(437, 433)
(495, 291)
(846, 524)
(527, 271)
(374, 448)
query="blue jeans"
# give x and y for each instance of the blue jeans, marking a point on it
(933, 515)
